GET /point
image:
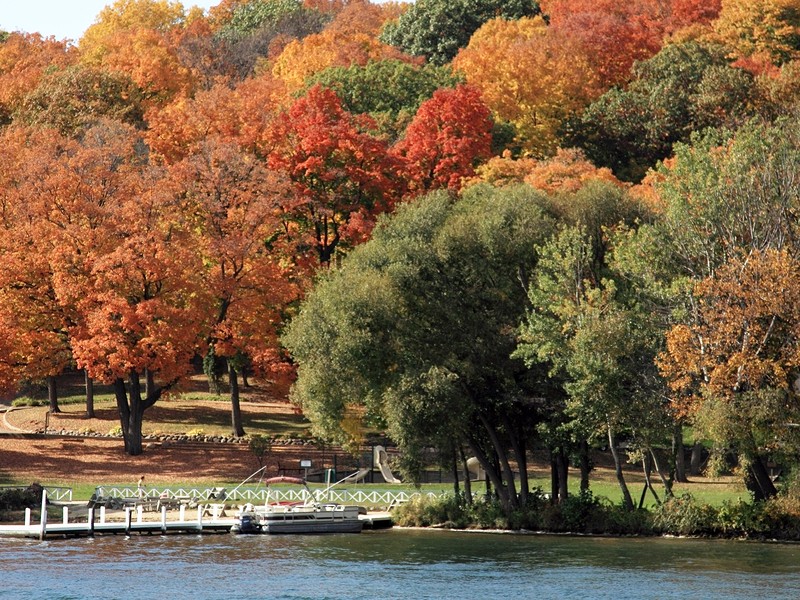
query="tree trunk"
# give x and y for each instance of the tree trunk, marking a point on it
(508, 474)
(456, 488)
(467, 481)
(554, 474)
(697, 459)
(647, 468)
(758, 480)
(680, 454)
(586, 465)
(89, 395)
(667, 483)
(627, 501)
(492, 474)
(52, 394)
(518, 445)
(124, 410)
(562, 463)
(237, 428)
(132, 406)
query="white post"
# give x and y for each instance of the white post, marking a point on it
(27, 517)
(103, 514)
(44, 516)
(128, 516)
(182, 513)
(163, 519)
(65, 515)
(200, 517)
(139, 514)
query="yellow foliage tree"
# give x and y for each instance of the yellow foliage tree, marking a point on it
(133, 37)
(567, 171)
(352, 38)
(768, 29)
(530, 76)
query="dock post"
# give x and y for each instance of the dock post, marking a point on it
(102, 514)
(43, 532)
(139, 513)
(128, 517)
(65, 515)
(164, 520)
(182, 513)
(91, 521)
(200, 517)
(27, 517)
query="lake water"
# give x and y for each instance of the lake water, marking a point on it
(395, 564)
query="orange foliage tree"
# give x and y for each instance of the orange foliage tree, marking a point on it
(614, 35)
(240, 114)
(232, 204)
(567, 171)
(24, 59)
(123, 271)
(450, 134)
(766, 30)
(135, 37)
(35, 323)
(743, 355)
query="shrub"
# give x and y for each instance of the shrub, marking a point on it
(682, 515)
(423, 511)
(20, 498)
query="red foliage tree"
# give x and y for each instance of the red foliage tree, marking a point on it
(448, 137)
(342, 176)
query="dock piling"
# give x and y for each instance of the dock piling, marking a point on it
(43, 519)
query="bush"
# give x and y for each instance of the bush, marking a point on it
(682, 515)
(21, 498)
(423, 511)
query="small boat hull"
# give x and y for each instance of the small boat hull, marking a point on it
(284, 527)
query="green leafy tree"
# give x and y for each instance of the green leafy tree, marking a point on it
(416, 329)
(583, 326)
(684, 88)
(77, 97)
(724, 196)
(248, 17)
(390, 91)
(437, 29)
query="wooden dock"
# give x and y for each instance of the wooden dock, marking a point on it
(207, 518)
(99, 521)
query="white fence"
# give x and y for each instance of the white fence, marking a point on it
(374, 498)
(56, 494)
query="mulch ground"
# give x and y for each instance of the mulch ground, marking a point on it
(54, 459)
(102, 460)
